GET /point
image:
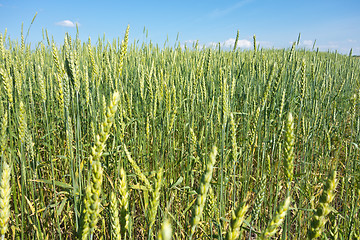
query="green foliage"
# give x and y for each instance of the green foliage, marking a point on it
(70, 142)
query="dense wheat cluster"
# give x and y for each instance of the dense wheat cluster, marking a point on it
(126, 141)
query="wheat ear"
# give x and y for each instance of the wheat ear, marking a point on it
(289, 150)
(154, 203)
(137, 169)
(99, 147)
(165, 231)
(277, 220)
(237, 219)
(114, 217)
(323, 209)
(124, 204)
(92, 200)
(4, 199)
(203, 189)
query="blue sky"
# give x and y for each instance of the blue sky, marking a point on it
(334, 24)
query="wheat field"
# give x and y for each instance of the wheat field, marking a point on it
(119, 140)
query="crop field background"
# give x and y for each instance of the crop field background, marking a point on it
(119, 140)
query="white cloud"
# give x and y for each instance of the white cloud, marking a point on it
(264, 44)
(226, 44)
(304, 44)
(190, 41)
(242, 43)
(307, 43)
(67, 23)
(211, 44)
(328, 46)
(229, 42)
